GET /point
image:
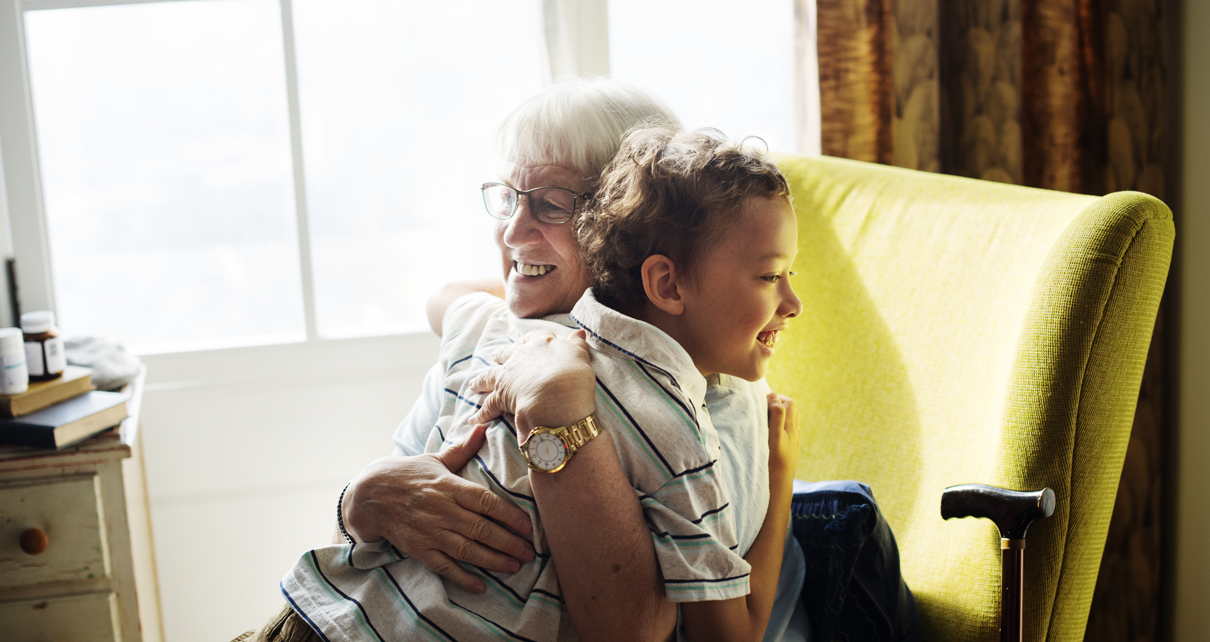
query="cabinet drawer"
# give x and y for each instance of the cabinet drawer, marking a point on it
(79, 618)
(68, 510)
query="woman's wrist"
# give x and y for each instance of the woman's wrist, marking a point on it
(340, 520)
(350, 518)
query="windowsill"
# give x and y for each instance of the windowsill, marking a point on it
(310, 361)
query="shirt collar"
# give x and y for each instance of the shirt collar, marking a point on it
(614, 333)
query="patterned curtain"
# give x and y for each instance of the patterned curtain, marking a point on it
(1061, 94)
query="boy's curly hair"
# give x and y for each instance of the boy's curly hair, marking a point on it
(666, 193)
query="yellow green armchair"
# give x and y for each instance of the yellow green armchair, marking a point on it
(959, 331)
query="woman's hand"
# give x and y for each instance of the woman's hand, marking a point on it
(784, 436)
(543, 381)
(431, 514)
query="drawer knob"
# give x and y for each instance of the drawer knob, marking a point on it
(34, 541)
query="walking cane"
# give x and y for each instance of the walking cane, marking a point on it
(1013, 512)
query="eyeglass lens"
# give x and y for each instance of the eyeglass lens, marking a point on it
(549, 204)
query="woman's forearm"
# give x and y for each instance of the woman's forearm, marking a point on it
(594, 525)
(602, 548)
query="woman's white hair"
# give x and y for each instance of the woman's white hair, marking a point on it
(579, 124)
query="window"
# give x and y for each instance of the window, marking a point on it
(164, 139)
(211, 173)
(174, 191)
(723, 64)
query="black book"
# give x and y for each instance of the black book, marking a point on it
(66, 422)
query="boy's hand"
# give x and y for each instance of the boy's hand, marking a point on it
(784, 434)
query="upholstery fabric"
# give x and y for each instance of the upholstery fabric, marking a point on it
(961, 331)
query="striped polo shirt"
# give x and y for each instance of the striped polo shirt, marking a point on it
(652, 400)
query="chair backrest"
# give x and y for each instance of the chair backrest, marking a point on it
(960, 331)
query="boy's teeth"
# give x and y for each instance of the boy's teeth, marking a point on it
(532, 270)
(768, 338)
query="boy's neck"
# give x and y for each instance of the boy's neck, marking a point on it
(672, 325)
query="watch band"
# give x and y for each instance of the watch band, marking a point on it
(581, 432)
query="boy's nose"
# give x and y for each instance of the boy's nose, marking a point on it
(791, 305)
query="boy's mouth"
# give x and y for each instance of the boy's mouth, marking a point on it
(768, 338)
(527, 269)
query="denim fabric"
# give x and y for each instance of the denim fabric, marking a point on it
(852, 589)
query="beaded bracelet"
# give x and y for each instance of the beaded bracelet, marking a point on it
(340, 520)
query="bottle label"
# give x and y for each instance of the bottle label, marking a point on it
(56, 356)
(33, 358)
(14, 378)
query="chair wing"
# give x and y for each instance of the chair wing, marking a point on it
(961, 331)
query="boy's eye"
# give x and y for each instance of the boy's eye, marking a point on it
(774, 278)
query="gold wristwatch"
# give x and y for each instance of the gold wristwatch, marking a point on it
(548, 450)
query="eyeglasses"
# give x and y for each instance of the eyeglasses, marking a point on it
(550, 205)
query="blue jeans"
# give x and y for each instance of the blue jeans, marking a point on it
(852, 589)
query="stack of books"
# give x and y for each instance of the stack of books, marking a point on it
(59, 412)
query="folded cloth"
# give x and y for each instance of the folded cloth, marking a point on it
(112, 366)
(852, 589)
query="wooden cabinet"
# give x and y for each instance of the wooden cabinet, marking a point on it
(82, 586)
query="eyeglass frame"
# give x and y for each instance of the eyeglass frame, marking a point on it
(576, 198)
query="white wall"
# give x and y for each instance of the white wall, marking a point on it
(244, 465)
(1192, 555)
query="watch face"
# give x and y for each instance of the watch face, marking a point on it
(546, 451)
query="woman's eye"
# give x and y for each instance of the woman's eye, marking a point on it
(552, 209)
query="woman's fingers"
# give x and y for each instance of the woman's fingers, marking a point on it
(445, 566)
(467, 529)
(415, 501)
(482, 542)
(503, 353)
(490, 407)
(455, 456)
(480, 501)
(580, 339)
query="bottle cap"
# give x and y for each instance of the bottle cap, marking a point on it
(36, 322)
(10, 338)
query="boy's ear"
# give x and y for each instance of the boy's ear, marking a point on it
(661, 282)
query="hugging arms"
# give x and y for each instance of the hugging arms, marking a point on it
(667, 503)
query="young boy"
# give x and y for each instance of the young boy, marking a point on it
(690, 244)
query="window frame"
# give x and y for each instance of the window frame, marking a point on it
(23, 233)
(577, 44)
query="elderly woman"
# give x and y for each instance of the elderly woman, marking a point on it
(555, 147)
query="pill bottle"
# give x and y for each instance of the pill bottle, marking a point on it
(44, 354)
(14, 378)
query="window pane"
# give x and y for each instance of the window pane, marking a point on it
(717, 63)
(400, 104)
(164, 140)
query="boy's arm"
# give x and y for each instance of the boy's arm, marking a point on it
(441, 299)
(745, 618)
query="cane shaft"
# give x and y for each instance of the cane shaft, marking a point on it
(1012, 606)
